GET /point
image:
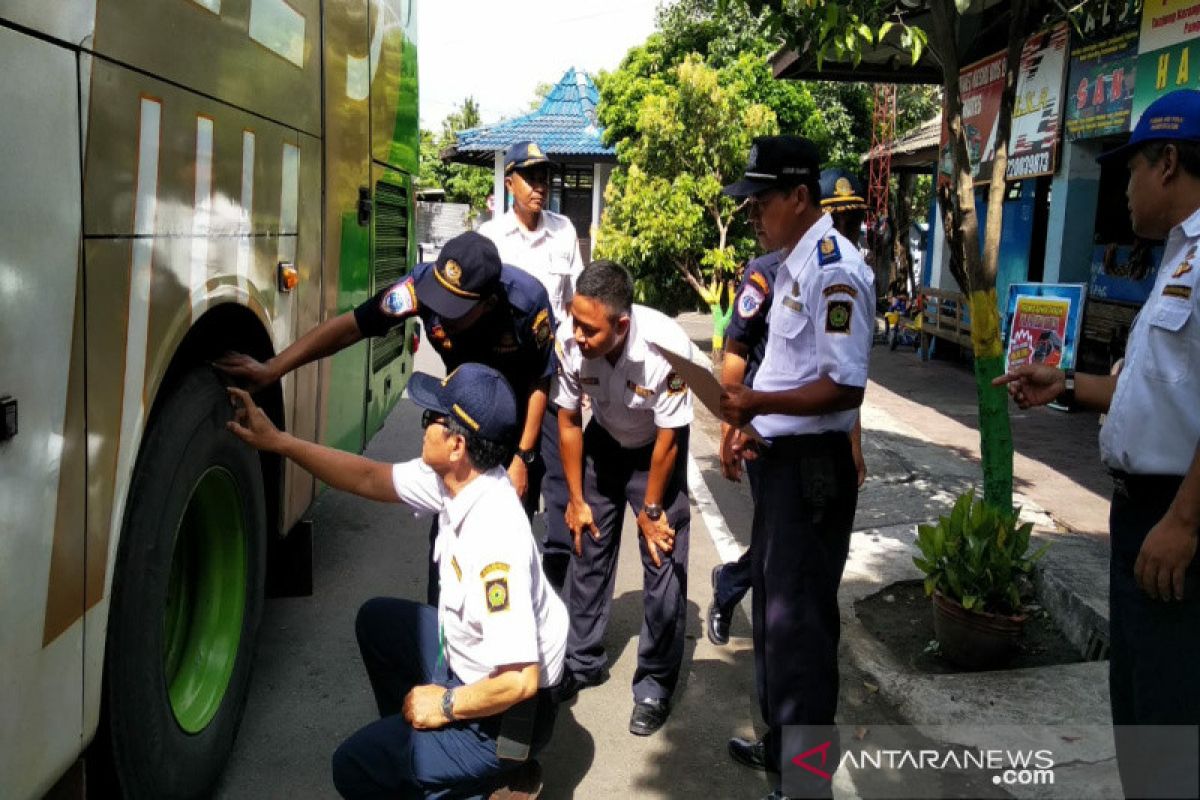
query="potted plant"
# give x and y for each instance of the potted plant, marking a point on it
(976, 562)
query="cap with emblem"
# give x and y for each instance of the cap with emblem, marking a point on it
(777, 161)
(522, 155)
(467, 271)
(476, 396)
(1175, 115)
(841, 191)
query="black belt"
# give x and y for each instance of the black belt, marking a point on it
(1137, 486)
(808, 439)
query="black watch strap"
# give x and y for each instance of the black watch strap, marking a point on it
(528, 456)
(653, 511)
(1067, 397)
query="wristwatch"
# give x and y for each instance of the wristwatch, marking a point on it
(1067, 396)
(528, 456)
(653, 511)
(448, 705)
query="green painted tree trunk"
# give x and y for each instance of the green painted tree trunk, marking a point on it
(720, 319)
(995, 433)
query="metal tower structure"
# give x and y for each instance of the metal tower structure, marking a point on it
(883, 134)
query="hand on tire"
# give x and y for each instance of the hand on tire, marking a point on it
(250, 423)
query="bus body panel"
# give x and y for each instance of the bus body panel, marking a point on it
(72, 22)
(260, 55)
(41, 479)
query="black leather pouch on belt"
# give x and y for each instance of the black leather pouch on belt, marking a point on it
(516, 730)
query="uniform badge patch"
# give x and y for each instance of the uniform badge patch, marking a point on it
(828, 251)
(454, 566)
(400, 300)
(495, 566)
(1178, 290)
(541, 328)
(793, 305)
(496, 593)
(675, 383)
(1182, 269)
(749, 302)
(837, 316)
(640, 391)
(760, 280)
(840, 288)
(452, 271)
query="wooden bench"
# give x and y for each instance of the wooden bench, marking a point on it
(944, 318)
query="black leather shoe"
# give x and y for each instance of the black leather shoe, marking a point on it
(749, 753)
(648, 716)
(718, 618)
(571, 683)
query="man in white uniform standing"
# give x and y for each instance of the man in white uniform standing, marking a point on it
(544, 244)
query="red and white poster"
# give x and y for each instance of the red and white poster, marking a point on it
(1037, 108)
(1039, 331)
(980, 85)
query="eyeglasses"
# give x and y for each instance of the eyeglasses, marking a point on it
(431, 417)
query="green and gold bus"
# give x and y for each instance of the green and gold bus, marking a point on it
(178, 178)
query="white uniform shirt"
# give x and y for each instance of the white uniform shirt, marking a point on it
(496, 607)
(550, 253)
(821, 323)
(639, 394)
(1153, 423)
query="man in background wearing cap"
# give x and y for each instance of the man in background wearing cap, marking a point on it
(473, 309)
(463, 690)
(803, 403)
(531, 237)
(1150, 442)
(634, 452)
(745, 344)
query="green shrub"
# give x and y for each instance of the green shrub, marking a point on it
(977, 555)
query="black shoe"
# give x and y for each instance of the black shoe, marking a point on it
(648, 716)
(749, 753)
(571, 683)
(718, 617)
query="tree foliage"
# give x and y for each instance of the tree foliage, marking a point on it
(462, 183)
(681, 110)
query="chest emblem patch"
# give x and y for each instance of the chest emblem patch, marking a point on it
(675, 383)
(837, 316)
(1182, 269)
(541, 328)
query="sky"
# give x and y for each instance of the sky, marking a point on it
(498, 51)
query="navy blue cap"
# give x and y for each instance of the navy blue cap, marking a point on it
(777, 161)
(523, 154)
(477, 397)
(841, 190)
(1175, 115)
(467, 271)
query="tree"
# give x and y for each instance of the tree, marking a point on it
(462, 183)
(692, 128)
(843, 30)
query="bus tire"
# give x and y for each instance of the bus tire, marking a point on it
(187, 597)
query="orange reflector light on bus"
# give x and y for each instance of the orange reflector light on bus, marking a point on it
(289, 276)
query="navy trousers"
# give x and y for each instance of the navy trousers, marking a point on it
(800, 542)
(546, 481)
(615, 477)
(1154, 647)
(734, 578)
(398, 640)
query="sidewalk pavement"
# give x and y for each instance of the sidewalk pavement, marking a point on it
(921, 446)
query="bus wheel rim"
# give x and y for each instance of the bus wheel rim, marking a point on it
(206, 600)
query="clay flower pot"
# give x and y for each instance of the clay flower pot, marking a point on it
(974, 639)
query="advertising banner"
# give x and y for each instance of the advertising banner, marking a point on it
(1100, 87)
(1167, 48)
(1124, 273)
(1043, 323)
(1037, 107)
(981, 84)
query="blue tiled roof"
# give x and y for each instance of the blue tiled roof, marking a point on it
(564, 125)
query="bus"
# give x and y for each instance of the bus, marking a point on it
(178, 179)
